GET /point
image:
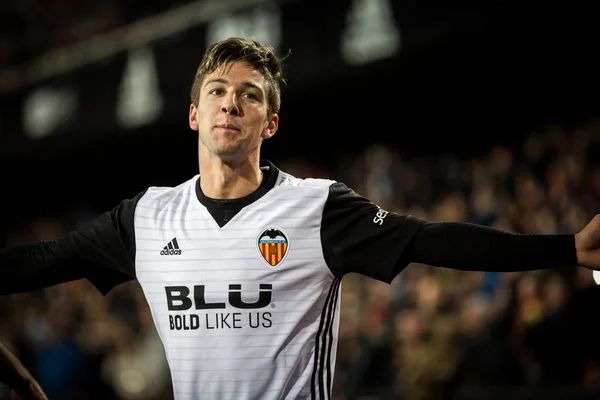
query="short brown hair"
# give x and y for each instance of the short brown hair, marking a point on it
(260, 56)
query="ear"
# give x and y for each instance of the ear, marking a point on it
(271, 128)
(193, 118)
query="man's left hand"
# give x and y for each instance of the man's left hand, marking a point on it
(587, 245)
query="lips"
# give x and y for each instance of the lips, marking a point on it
(228, 127)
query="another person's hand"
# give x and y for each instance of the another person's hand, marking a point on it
(33, 391)
(587, 245)
(14, 374)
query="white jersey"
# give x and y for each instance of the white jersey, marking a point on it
(245, 293)
(237, 306)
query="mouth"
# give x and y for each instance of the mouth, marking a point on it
(228, 127)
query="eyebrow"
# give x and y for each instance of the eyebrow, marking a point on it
(245, 84)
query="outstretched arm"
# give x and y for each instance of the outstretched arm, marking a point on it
(359, 237)
(472, 247)
(17, 377)
(102, 252)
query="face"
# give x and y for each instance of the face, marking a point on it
(232, 114)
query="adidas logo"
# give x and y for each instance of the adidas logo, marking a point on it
(171, 249)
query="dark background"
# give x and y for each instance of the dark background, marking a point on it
(469, 75)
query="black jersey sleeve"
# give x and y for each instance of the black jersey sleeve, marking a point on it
(358, 236)
(102, 252)
(471, 247)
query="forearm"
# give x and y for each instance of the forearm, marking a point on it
(32, 266)
(478, 248)
(12, 372)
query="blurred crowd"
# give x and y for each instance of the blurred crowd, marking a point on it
(434, 333)
(439, 333)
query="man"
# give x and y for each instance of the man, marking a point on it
(242, 264)
(17, 377)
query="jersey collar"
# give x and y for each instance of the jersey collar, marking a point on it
(270, 174)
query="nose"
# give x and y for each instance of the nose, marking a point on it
(230, 105)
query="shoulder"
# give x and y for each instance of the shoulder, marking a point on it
(334, 190)
(167, 194)
(287, 180)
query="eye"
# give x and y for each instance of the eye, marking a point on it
(251, 96)
(216, 91)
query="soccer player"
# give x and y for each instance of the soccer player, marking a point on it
(14, 374)
(242, 264)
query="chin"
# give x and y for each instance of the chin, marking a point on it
(230, 154)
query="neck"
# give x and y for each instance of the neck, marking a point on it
(221, 179)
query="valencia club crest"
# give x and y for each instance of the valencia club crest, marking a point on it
(273, 246)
